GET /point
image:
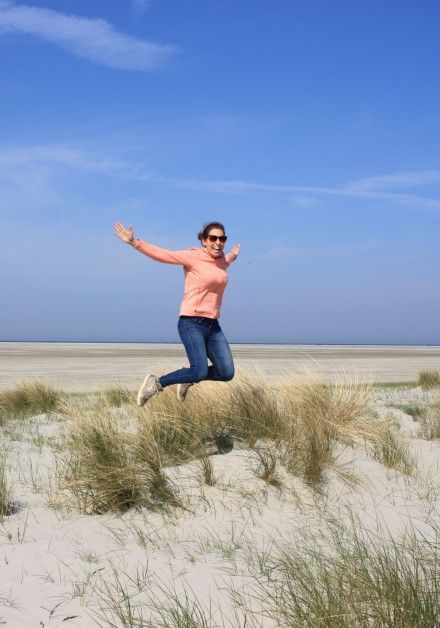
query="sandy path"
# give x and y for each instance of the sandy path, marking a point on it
(84, 366)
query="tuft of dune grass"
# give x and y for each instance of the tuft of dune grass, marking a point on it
(429, 378)
(27, 398)
(109, 469)
(316, 416)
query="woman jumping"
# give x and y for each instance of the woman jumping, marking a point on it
(198, 326)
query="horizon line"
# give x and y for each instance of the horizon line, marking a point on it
(168, 342)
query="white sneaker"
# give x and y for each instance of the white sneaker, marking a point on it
(182, 390)
(150, 387)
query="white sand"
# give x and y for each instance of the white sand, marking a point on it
(58, 568)
(84, 366)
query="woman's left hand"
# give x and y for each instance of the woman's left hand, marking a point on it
(236, 250)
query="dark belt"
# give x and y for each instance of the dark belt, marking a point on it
(205, 318)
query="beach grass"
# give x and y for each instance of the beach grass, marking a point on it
(429, 378)
(116, 464)
(109, 468)
(27, 398)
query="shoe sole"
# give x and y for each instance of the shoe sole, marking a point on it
(138, 399)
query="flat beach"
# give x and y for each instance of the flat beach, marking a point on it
(85, 366)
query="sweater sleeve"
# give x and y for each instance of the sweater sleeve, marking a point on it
(163, 255)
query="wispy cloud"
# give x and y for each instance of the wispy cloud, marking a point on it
(92, 39)
(351, 190)
(402, 179)
(86, 161)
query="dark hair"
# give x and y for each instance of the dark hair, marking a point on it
(207, 228)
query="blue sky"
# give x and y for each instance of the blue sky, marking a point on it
(311, 129)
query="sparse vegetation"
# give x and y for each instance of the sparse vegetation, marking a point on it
(360, 578)
(429, 378)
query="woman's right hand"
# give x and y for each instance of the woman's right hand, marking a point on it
(126, 235)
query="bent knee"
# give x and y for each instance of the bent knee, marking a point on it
(228, 375)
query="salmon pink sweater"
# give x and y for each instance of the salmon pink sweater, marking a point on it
(205, 277)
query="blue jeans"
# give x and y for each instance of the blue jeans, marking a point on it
(202, 338)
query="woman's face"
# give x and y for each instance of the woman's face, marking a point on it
(215, 249)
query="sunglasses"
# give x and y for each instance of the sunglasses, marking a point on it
(213, 238)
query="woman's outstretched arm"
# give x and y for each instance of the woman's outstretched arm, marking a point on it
(151, 250)
(230, 257)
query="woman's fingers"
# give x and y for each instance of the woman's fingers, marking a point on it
(121, 232)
